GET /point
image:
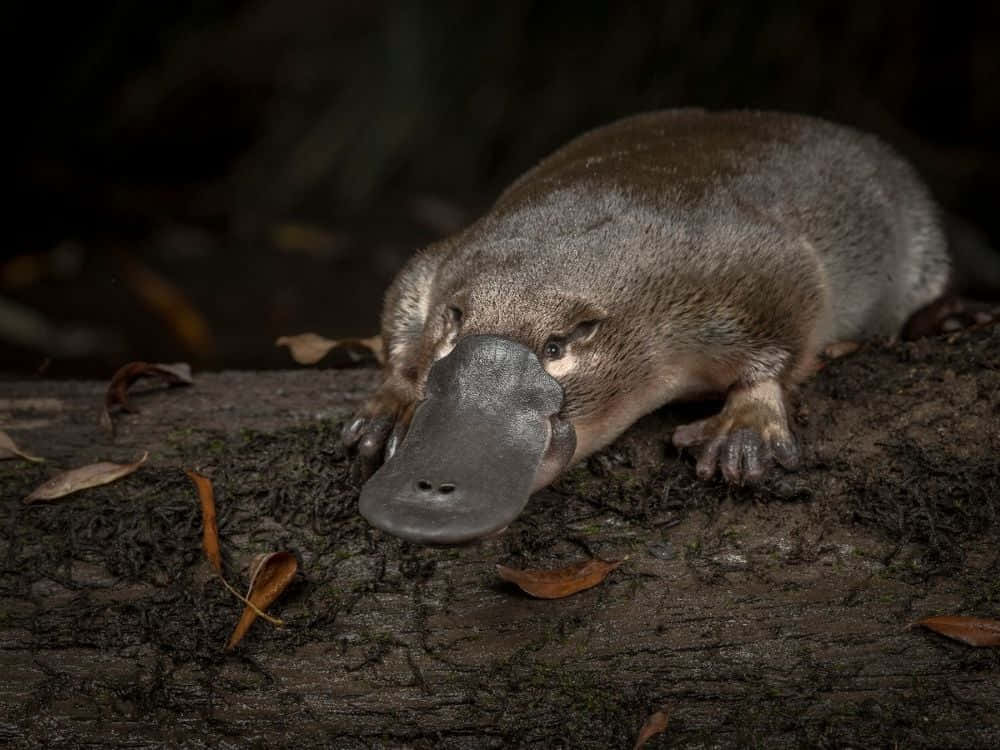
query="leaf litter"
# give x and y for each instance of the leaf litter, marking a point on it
(270, 573)
(561, 582)
(975, 631)
(654, 725)
(84, 477)
(310, 348)
(210, 526)
(9, 449)
(178, 373)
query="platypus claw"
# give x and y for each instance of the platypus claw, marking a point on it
(744, 439)
(743, 455)
(373, 435)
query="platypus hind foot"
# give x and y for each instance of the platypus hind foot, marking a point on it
(745, 437)
(374, 433)
(948, 314)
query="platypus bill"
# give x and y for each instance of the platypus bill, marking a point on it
(667, 256)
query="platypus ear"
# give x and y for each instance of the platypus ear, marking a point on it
(587, 319)
(583, 331)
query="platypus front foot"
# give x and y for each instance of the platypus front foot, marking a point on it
(742, 440)
(372, 435)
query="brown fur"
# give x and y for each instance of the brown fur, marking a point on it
(700, 252)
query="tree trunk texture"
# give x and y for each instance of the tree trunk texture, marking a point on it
(771, 617)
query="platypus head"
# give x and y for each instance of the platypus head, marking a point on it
(492, 428)
(486, 436)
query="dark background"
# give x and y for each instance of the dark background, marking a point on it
(191, 180)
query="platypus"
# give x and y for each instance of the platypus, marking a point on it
(673, 255)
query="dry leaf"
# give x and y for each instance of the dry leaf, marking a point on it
(266, 581)
(270, 575)
(307, 348)
(9, 449)
(310, 348)
(555, 584)
(178, 373)
(74, 480)
(976, 631)
(654, 725)
(210, 528)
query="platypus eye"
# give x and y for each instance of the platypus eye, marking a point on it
(453, 315)
(553, 349)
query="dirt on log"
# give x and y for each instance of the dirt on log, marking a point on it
(773, 616)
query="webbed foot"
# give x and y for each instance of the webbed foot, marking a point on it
(375, 432)
(744, 439)
(949, 314)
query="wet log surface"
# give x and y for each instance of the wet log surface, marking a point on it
(767, 617)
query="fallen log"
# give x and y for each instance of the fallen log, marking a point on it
(773, 616)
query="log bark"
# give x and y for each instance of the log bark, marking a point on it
(773, 616)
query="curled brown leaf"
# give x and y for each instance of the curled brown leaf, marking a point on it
(975, 631)
(82, 478)
(270, 575)
(210, 527)
(178, 373)
(654, 725)
(556, 584)
(310, 348)
(9, 449)
(210, 544)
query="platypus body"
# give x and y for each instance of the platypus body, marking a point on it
(673, 255)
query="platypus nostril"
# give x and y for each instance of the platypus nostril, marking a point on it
(447, 488)
(423, 485)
